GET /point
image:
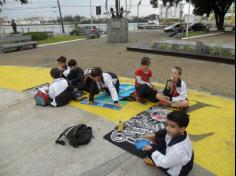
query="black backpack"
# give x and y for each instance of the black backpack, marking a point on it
(77, 135)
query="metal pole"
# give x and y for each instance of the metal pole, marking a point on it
(91, 14)
(62, 24)
(189, 9)
(138, 11)
(117, 8)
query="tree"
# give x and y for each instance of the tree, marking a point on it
(4, 1)
(201, 7)
(219, 7)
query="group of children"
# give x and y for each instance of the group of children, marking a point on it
(171, 149)
(69, 79)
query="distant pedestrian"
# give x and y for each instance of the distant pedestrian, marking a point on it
(14, 26)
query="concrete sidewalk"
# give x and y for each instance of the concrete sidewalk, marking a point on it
(27, 146)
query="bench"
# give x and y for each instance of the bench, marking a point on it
(16, 42)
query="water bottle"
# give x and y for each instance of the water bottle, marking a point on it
(120, 126)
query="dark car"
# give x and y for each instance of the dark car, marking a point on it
(198, 27)
(91, 31)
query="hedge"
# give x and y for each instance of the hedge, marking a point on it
(36, 36)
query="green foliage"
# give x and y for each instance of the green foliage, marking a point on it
(229, 53)
(219, 7)
(189, 48)
(76, 30)
(37, 36)
(165, 46)
(217, 50)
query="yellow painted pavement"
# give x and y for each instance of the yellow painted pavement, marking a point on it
(212, 124)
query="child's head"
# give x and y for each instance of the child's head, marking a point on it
(177, 122)
(72, 64)
(61, 61)
(145, 63)
(176, 73)
(55, 73)
(96, 74)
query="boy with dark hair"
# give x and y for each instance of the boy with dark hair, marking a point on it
(98, 81)
(59, 91)
(172, 149)
(143, 85)
(175, 92)
(76, 75)
(61, 62)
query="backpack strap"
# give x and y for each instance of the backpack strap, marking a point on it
(58, 141)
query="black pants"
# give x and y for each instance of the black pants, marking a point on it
(144, 91)
(92, 88)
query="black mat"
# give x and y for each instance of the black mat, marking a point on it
(147, 122)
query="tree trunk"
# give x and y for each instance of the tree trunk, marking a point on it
(220, 20)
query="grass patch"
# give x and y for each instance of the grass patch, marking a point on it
(196, 33)
(60, 38)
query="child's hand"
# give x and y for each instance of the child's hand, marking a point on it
(150, 137)
(147, 148)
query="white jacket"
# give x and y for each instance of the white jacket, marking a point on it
(109, 83)
(182, 91)
(56, 88)
(178, 155)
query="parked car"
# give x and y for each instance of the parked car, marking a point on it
(91, 31)
(198, 27)
(176, 28)
(172, 28)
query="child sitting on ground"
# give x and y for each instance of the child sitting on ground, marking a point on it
(59, 91)
(97, 81)
(172, 149)
(61, 62)
(175, 92)
(143, 85)
(76, 75)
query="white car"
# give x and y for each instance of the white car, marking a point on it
(172, 28)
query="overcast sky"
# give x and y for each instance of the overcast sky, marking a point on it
(48, 8)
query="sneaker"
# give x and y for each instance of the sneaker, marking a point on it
(149, 162)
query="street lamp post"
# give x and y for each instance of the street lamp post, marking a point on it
(189, 9)
(91, 14)
(61, 20)
(138, 11)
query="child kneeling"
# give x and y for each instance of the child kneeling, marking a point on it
(175, 92)
(60, 93)
(172, 149)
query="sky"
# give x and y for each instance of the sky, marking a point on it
(49, 8)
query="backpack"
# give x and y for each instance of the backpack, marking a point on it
(41, 99)
(77, 135)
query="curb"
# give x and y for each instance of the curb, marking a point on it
(49, 44)
(200, 36)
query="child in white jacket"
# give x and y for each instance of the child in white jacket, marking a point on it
(175, 92)
(172, 149)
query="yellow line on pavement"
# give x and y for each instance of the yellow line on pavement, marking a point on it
(212, 118)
